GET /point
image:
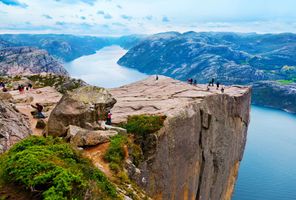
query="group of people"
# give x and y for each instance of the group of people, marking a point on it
(191, 81)
(21, 88)
(212, 82)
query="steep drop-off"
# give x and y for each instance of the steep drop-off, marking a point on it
(196, 155)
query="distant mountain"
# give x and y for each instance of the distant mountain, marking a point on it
(68, 47)
(268, 62)
(229, 57)
(275, 94)
(28, 60)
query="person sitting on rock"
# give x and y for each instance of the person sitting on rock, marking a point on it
(109, 118)
(222, 89)
(39, 109)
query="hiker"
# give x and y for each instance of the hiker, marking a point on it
(213, 81)
(39, 109)
(109, 118)
(222, 89)
(30, 86)
(156, 78)
(218, 85)
(19, 88)
(208, 89)
(194, 82)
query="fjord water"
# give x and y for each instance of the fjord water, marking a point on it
(101, 69)
(268, 169)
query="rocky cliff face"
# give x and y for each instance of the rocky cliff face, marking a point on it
(28, 60)
(14, 126)
(196, 155)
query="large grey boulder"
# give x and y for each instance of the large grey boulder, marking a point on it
(81, 108)
(14, 126)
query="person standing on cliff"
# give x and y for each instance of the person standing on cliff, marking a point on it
(109, 118)
(218, 85)
(156, 78)
(213, 81)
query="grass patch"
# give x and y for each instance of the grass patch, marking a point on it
(142, 125)
(52, 168)
(120, 147)
(115, 154)
(285, 82)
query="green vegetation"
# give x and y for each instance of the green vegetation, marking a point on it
(52, 168)
(115, 154)
(120, 146)
(286, 82)
(142, 125)
(61, 83)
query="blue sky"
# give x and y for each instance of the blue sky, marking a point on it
(122, 17)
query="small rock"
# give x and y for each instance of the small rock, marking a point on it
(5, 96)
(40, 124)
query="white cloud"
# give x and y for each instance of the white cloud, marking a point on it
(117, 17)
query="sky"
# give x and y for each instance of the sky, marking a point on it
(124, 17)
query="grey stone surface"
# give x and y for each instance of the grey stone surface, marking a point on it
(14, 126)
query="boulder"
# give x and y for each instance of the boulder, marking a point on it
(23, 99)
(82, 137)
(14, 126)
(5, 96)
(80, 108)
(40, 124)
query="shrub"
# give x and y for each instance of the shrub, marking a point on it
(115, 154)
(54, 169)
(142, 125)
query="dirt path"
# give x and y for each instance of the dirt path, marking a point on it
(96, 154)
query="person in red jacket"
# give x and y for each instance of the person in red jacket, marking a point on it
(109, 118)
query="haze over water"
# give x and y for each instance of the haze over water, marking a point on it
(268, 169)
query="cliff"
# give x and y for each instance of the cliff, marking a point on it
(28, 60)
(196, 155)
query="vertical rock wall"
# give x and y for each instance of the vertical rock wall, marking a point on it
(199, 150)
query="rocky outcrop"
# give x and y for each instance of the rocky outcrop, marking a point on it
(14, 126)
(85, 138)
(196, 155)
(83, 108)
(28, 60)
(275, 94)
